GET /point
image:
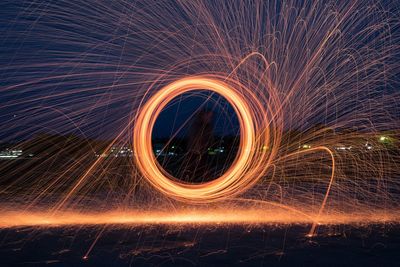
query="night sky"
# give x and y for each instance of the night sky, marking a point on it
(35, 52)
(57, 62)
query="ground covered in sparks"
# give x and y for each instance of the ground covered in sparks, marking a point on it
(201, 245)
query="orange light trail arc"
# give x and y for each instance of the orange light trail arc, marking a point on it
(245, 170)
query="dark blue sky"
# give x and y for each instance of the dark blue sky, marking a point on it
(182, 108)
(82, 66)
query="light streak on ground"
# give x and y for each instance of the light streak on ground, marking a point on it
(9, 219)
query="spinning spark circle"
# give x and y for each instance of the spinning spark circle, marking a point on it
(249, 164)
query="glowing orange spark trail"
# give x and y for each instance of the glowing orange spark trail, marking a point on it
(246, 169)
(257, 215)
(303, 78)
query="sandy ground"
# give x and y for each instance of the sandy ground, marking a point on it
(205, 245)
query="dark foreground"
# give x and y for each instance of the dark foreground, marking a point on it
(267, 245)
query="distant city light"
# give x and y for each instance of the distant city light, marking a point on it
(383, 138)
(10, 153)
(368, 146)
(343, 147)
(116, 152)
